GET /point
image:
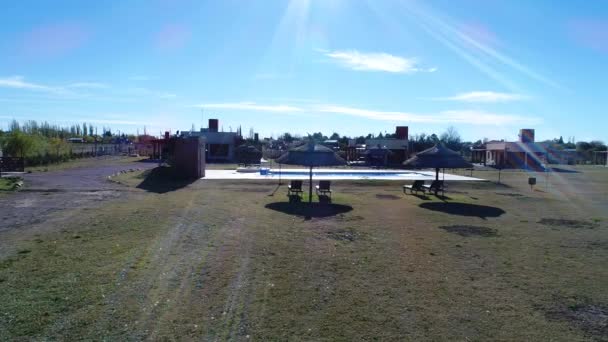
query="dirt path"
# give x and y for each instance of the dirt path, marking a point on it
(47, 192)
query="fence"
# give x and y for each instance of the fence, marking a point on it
(11, 164)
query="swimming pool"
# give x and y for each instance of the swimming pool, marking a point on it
(335, 174)
(341, 173)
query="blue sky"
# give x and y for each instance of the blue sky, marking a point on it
(486, 67)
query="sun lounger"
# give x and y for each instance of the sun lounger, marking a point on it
(435, 187)
(295, 188)
(324, 188)
(417, 186)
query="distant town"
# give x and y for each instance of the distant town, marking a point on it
(42, 143)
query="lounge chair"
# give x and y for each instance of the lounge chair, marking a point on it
(417, 186)
(435, 187)
(324, 188)
(295, 188)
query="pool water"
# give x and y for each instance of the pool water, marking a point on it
(333, 174)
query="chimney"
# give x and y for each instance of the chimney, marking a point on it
(213, 125)
(401, 132)
(526, 135)
(256, 137)
(166, 135)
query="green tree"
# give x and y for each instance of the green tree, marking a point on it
(451, 139)
(58, 146)
(19, 144)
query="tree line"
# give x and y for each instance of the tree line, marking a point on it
(42, 143)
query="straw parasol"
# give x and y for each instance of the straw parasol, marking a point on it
(438, 157)
(311, 155)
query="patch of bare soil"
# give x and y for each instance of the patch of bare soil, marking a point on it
(253, 190)
(591, 318)
(509, 194)
(577, 224)
(348, 218)
(347, 235)
(387, 197)
(467, 231)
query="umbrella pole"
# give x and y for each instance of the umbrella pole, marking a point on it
(310, 187)
(437, 173)
(443, 186)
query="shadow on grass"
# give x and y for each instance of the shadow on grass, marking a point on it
(309, 210)
(422, 197)
(163, 179)
(463, 209)
(562, 170)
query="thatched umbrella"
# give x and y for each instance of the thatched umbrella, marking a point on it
(378, 153)
(438, 157)
(311, 155)
(247, 154)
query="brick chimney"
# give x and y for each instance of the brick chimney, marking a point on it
(401, 132)
(526, 135)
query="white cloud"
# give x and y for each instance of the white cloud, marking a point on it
(140, 91)
(373, 114)
(378, 61)
(89, 85)
(483, 118)
(167, 96)
(471, 117)
(486, 97)
(468, 117)
(115, 122)
(140, 78)
(251, 106)
(18, 82)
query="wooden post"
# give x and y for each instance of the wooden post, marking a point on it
(310, 187)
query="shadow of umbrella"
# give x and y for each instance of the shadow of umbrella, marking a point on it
(463, 209)
(309, 210)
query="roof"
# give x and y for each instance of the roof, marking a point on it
(393, 144)
(516, 147)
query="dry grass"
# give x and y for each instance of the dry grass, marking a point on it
(228, 260)
(84, 162)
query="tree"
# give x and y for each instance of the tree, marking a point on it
(14, 126)
(318, 136)
(451, 139)
(335, 136)
(286, 137)
(18, 144)
(58, 145)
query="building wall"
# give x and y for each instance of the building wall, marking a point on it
(217, 138)
(189, 157)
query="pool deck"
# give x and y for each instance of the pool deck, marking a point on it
(337, 174)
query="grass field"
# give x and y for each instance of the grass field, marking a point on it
(233, 260)
(9, 183)
(83, 162)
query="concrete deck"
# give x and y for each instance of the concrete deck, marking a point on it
(338, 174)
